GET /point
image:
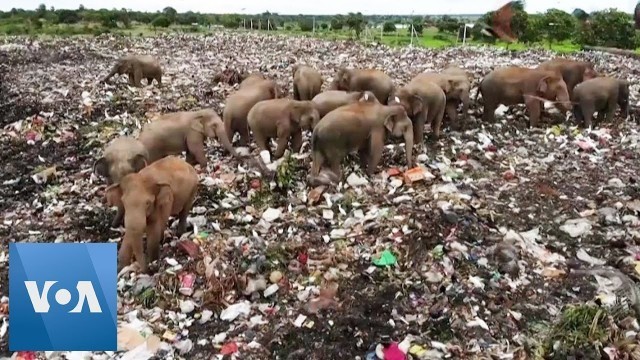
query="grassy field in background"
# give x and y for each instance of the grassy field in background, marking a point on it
(430, 38)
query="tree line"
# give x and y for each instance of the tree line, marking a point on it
(610, 28)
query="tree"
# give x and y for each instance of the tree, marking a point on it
(170, 13)
(123, 17)
(534, 30)
(558, 25)
(447, 24)
(356, 23)
(161, 21)
(389, 26)
(418, 25)
(337, 22)
(305, 24)
(41, 11)
(68, 17)
(230, 21)
(108, 19)
(324, 26)
(609, 28)
(580, 14)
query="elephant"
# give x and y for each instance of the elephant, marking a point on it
(515, 85)
(173, 133)
(166, 187)
(307, 82)
(251, 79)
(137, 67)
(425, 102)
(372, 80)
(283, 119)
(456, 86)
(240, 103)
(601, 94)
(573, 72)
(333, 99)
(358, 126)
(123, 155)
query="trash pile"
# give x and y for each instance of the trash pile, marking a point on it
(503, 243)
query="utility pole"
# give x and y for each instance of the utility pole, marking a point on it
(314, 25)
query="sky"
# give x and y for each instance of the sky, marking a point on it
(367, 7)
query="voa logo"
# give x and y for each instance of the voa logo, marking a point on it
(63, 297)
(40, 302)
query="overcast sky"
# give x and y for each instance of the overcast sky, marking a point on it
(326, 6)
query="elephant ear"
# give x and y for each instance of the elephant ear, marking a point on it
(164, 199)
(138, 162)
(416, 104)
(197, 124)
(543, 85)
(113, 194)
(101, 167)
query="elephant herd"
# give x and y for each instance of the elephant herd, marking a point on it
(358, 111)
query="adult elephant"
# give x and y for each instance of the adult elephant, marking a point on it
(376, 81)
(516, 85)
(573, 72)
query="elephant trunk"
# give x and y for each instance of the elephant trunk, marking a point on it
(408, 146)
(564, 101)
(114, 70)
(223, 138)
(577, 112)
(465, 99)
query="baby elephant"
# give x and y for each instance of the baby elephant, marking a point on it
(283, 119)
(164, 188)
(187, 131)
(137, 67)
(601, 94)
(333, 99)
(307, 82)
(123, 156)
(358, 126)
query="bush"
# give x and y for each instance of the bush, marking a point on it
(610, 28)
(305, 25)
(448, 24)
(558, 25)
(324, 26)
(389, 27)
(161, 21)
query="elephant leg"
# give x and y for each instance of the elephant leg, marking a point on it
(436, 122)
(262, 141)
(611, 109)
(534, 112)
(588, 111)
(364, 155)
(283, 141)
(296, 141)
(318, 161)
(335, 166)
(418, 131)
(137, 76)
(156, 225)
(489, 111)
(195, 147)
(182, 216)
(159, 80)
(117, 220)
(451, 111)
(375, 152)
(131, 81)
(244, 135)
(124, 255)
(296, 92)
(191, 160)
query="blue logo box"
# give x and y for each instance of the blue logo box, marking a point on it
(62, 297)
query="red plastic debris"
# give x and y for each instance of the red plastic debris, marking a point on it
(189, 247)
(229, 348)
(303, 258)
(186, 283)
(255, 184)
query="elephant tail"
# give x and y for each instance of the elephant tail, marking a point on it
(577, 112)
